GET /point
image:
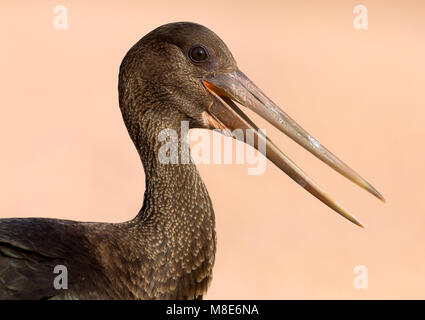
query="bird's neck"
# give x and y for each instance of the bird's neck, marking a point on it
(177, 220)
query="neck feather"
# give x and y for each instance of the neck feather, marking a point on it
(176, 222)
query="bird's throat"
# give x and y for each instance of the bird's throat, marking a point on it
(177, 217)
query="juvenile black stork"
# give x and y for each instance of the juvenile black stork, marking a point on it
(178, 72)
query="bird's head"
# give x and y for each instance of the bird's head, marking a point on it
(169, 66)
(185, 71)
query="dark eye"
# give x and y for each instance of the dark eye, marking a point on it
(198, 54)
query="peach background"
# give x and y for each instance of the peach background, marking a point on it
(65, 152)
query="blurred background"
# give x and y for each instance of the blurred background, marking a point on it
(65, 152)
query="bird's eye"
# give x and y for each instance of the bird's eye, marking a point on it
(198, 54)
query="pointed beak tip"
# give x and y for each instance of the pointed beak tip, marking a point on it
(376, 193)
(361, 225)
(355, 220)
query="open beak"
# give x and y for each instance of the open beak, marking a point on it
(225, 114)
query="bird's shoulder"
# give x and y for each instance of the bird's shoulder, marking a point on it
(49, 237)
(31, 249)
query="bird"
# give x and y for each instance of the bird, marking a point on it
(179, 72)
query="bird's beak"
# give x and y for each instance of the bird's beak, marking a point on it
(225, 114)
